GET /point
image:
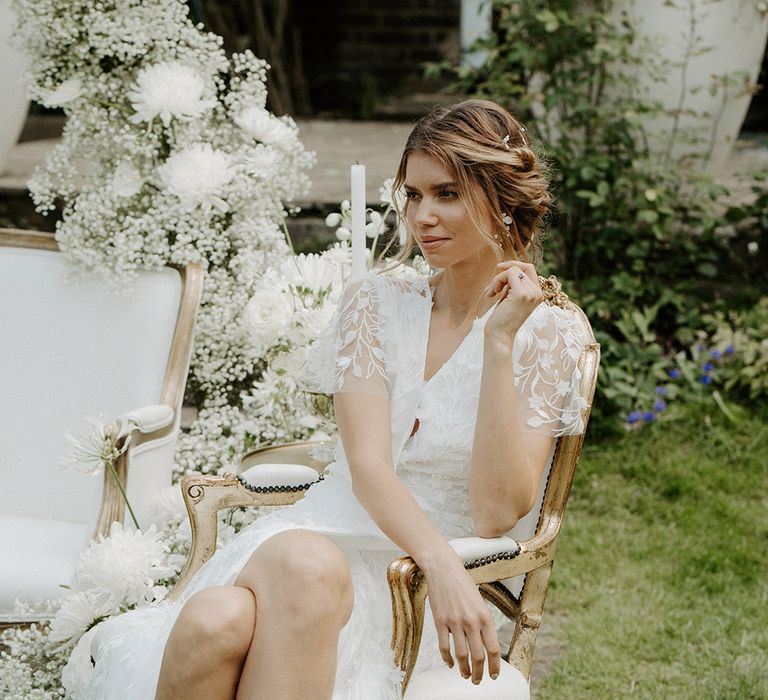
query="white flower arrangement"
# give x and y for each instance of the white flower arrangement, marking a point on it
(184, 163)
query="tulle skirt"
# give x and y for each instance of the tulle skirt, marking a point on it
(128, 649)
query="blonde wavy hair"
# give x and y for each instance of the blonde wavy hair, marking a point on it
(490, 158)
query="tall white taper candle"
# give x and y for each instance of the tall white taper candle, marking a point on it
(358, 220)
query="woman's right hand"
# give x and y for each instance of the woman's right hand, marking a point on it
(459, 612)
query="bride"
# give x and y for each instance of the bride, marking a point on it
(449, 392)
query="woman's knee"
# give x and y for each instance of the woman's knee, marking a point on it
(309, 574)
(219, 622)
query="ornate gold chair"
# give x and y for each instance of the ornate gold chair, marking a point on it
(72, 348)
(513, 574)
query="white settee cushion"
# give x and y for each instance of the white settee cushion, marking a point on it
(445, 683)
(37, 557)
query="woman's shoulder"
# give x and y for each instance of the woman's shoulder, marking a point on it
(556, 324)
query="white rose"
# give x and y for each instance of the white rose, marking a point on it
(266, 316)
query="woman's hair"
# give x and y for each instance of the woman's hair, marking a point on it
(489, 156)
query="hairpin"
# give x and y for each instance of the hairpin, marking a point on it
(505, 142)
(507, 219)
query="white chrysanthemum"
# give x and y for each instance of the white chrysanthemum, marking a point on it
(266, 127)
(312, 271)
(262, 162)
(266, 316)
(198, 176)
(167, 90)
(125, 567)
(78, 612)
(66, 92)
(126, 180)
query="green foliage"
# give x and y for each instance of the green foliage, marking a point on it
(747, 332)
(640, 241)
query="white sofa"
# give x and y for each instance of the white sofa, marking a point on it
(71, 348)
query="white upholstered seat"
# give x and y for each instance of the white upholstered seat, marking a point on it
(447, 684)
(39, 557)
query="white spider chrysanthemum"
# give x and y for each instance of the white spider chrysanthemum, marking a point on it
(198, 176)
(168, 90)
(124, 568)
(266, 127)
(91, 451)
(78, 612)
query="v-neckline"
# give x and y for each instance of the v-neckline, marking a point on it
(424, 380)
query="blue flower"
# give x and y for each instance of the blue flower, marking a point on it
(649, 417)
(661, 390)
(705, 379)
(715, 354)
(699, 346)
(659, 405)
(674, 373)
(708, 367)
(633, 417)
(730, 350)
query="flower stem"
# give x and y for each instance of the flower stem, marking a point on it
(113, 471)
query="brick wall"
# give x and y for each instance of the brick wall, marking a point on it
(358, 54)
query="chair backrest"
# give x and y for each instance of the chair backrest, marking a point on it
(555, 484)
(72, 347)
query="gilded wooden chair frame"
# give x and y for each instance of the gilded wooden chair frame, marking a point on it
(205, 496)
(534, 560)
(174, 381)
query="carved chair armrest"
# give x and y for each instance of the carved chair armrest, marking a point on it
(489, 561)
(205, 496)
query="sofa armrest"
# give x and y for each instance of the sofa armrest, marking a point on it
(148, 419)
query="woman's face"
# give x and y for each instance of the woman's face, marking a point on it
(437, 217)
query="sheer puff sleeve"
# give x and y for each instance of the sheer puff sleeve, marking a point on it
(547, 374)
(349, 355)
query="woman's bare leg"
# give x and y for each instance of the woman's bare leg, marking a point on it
(217, 650)
(303, 585)
(208, 645)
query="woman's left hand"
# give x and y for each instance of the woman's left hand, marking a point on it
(517, 284)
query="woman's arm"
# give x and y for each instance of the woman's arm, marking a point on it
(458, 609)
(507, 463)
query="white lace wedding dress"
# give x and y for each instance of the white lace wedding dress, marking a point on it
(376, 343)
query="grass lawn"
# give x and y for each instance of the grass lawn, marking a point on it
(661, 573)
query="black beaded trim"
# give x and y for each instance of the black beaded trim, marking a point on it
(277, 489)
(491, 559)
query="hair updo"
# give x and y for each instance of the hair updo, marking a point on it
(488, 154)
